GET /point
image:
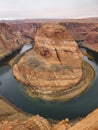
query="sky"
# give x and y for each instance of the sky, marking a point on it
(51, 9)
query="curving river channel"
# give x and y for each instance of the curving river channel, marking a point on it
(80, 106)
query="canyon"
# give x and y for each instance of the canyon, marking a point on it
(91, 39)
(48, 68)
(14, 34)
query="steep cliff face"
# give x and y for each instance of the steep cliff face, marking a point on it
(91, 39)
(27, 29)
(53, 66)
(10, 39)
(78, 30)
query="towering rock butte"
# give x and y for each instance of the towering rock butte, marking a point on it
(54, 66)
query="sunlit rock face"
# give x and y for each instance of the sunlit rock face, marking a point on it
(53, 66)
(33, 123)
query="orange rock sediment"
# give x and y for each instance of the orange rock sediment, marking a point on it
(54, 65)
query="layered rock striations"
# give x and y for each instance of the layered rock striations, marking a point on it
(59, 51)
(28, 29)
(10, 40)
(90, 122)
(91, 39)
(54, 66)
(78, 29)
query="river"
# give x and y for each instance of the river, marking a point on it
(80, 106)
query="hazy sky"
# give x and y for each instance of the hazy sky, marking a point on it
(18, 9)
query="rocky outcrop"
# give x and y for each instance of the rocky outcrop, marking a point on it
(62, 125)
(28, 29)
(10, 40)
(88, 123)
(91, 39)
(48, 69)
(33, 123)
(40, 123)
(78, 29)
(12, 118)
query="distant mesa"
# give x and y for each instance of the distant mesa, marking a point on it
(54, 69)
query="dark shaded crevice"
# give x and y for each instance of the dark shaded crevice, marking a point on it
(57, 55)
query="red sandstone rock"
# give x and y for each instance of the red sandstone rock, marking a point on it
(40, 123)
(78, 30)
(10, 40)
(91, 39)
(48, 69)
(88, 123)
(34, 123)
(62, 125)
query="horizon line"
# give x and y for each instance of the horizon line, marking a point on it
(12, 19)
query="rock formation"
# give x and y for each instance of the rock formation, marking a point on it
(40, 123)
(33, 123)
(53, 66)
(62, 125)
(88, 123)
(91, 39)
(10, 40)
(27, 29)
(78, 29)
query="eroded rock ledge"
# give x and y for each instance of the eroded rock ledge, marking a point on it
(53, 67)
(39, 123)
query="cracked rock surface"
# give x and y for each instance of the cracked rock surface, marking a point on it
(53, 66)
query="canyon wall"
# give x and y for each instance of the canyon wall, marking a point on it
(10, 40)
(13, 34)
(91, 39)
